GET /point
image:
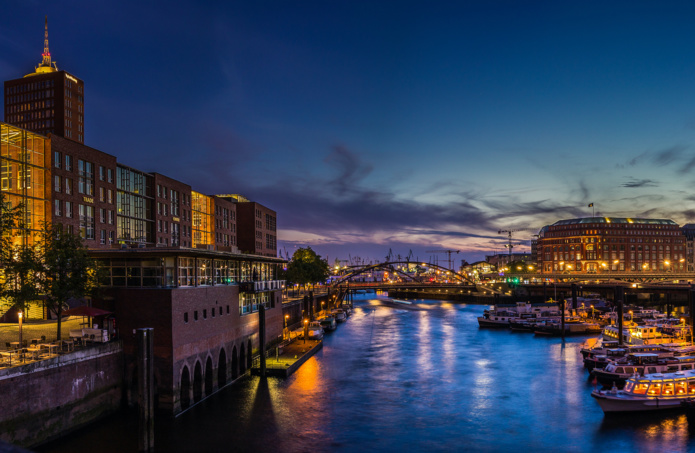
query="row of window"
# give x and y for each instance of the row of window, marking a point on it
(213, 310)
(29, 97)
(23, 88)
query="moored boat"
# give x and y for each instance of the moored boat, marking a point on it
(328, 323)
(649, 393)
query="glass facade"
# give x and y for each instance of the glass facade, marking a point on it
(203, 222)
(24, 162)
(134, 219)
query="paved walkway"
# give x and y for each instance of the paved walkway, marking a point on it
(34, 329)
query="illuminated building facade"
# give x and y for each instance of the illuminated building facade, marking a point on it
(599, 244)
(24, 172)
(47, 101)
(257, 224)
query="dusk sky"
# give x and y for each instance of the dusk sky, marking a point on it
(371, 126)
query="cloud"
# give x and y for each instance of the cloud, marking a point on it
(636, 183)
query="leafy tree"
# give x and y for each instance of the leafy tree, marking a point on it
(22, 268)
(307, 267)
(68, 271)
(18, 262)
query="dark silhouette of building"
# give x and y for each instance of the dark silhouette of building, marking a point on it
(47, 101)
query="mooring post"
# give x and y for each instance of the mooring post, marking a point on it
(618, 298)
(261, 336)
(691, 308)
(574, 296)
(562, 318)
(145, 361)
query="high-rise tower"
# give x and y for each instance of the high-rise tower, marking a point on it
(47, 101)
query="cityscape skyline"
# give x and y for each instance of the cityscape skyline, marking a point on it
(368, 128)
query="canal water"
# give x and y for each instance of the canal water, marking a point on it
(421, 378)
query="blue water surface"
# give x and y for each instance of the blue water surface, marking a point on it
(417, 378)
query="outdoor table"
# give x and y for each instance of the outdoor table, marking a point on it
(70, 344)
(51, 347)
(10, 354)
(14, 344)
(35, 351)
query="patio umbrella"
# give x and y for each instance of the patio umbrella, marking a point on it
(84, 310)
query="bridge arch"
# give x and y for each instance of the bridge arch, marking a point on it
(391, 267)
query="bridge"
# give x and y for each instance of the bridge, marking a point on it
(352, 272)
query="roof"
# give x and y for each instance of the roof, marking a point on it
(619, 220)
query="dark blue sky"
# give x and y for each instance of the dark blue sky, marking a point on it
(377, 125)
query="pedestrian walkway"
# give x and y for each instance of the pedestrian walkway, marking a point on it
(286, 359)
(9, 332)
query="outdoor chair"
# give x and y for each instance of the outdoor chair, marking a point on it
(43, 338)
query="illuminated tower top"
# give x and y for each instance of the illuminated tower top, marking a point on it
(46, 64)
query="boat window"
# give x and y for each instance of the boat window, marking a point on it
(652, 370)
(628, 386)
(681, 388)
(672, 368)
(629, 369)
(691, 387)
(668, 388)
(687, 366)
(619, 369)
(655, 389)
(641, 388)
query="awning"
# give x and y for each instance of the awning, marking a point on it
(84, 310)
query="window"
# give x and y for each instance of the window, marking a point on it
(68, 162)
(109, 175)
(185, 318)
(110, 217)
(227, 309)
(101, 173)
(56, 211)
(68, 186)
(205, 313)
(101, 193)
(110, 196)
(56, 183)
(102, 216)
(102, 238)
(213, 312)
(68, 209)
(195, 315)
(57, 158)
(86, 221)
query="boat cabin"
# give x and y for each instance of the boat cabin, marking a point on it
(664, 385)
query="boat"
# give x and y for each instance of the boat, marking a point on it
(400, 301)
(328, 323)
(636, 334)
(501, 315)
(339, 314)
(315, 331)
(617, 373)
(648, 393)
(572, 327)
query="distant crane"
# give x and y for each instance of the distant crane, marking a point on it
(448, 252)
(509, 245)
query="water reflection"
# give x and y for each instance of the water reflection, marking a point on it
(422, 379)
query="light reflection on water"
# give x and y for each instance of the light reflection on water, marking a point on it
(419, 379)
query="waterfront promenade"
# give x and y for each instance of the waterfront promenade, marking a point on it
(9, 332)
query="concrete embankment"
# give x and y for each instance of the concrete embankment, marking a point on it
(45, 399)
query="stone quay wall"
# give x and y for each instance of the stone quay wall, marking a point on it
(44, 400)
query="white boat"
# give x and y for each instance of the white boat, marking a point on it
(339, 314)
(649, 393)
(618, 372)
(315, 330)
(634, 334)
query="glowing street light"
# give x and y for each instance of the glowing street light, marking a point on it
(19, 317)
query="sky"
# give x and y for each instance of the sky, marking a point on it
(371, 126)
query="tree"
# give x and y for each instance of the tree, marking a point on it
(18, 261)
(68, 271)
(22, 269)
(307, 267)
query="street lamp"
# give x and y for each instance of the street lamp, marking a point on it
(667, 263)
(630, 315)
(306, 329)
(19, 317)
(592, 311)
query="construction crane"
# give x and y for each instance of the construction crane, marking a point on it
(509, 245)
(448, 252)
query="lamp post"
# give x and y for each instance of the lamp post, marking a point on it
(19, 317)
(306, 329)
(592, 311)
(287, 317)
(630, 315)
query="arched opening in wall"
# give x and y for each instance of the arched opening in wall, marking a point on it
(249, 357)
(235, 364)
(185, 388)
(208, 377)
(222, 369)
(242, 359)
(197, 383)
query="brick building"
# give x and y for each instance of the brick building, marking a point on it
(47, 101)
(595, 244)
